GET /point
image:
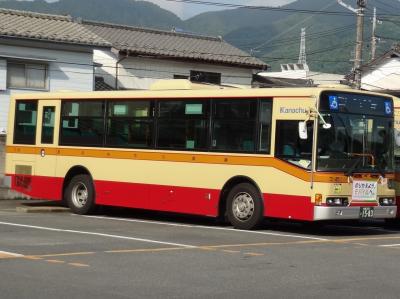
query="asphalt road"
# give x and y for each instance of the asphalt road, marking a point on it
(134, 254)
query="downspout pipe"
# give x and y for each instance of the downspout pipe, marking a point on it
(117, 68)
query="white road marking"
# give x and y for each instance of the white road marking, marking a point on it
(205, 227)
(390, 245)
(97, 234)
(11, 254)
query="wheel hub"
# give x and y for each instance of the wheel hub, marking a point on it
(79, 195)
(243, 206)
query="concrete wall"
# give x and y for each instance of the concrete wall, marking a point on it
(140, 72)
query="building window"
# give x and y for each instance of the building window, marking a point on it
(181, 77)
(26, 75)
(205, 77)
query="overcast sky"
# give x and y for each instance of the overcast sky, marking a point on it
(189, 10)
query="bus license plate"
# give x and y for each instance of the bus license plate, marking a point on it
(366, 212)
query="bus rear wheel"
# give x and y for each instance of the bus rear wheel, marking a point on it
(244, 207)
(79, 195)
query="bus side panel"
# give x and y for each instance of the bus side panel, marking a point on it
(48, 188)
(288, 207)
(188, 200)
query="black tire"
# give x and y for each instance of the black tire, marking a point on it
(392, 223)
(245, 207)
(80, 195)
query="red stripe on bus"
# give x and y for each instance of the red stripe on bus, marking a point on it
(288, 206)
(47, 188)
(189, 200)
(196, 201)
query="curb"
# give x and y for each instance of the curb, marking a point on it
(41, 209)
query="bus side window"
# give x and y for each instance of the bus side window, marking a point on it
(183, 125)
(130, 124)
(48, 121)
(82, 123)
(25, 122)
(265, 118)
(234, 125)
(288, 144)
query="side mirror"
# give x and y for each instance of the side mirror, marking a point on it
(303, 130)
(397, 137)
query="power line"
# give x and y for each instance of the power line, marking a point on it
(279, 9)
(295, 40)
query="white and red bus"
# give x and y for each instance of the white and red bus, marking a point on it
(290, 153)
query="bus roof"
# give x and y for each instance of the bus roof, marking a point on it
(190, 90)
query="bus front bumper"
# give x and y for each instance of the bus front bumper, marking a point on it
(337, 213)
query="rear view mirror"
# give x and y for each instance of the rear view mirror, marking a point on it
(397, 137)
(303, 130)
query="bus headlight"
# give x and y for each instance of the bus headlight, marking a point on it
(387, 201)
(337, 201)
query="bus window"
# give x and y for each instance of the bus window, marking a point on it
(290, 147)
(48, 124)
(265, 126)
(25, 122)
(82, 123)
(234, 125)
(130, 124)
(183, 125)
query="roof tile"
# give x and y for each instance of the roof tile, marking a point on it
(145, 41)
(45, 27)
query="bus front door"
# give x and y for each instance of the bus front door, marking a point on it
(50, 187)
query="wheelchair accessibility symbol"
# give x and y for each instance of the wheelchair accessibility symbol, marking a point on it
(388, 108)
(333, 103)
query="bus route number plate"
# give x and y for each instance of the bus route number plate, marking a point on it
(366, 212)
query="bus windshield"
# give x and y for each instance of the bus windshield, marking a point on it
(359, 139)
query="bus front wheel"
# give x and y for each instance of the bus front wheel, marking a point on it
(79, 194)
(244, 206)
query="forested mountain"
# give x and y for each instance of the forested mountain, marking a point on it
(271, 35)
(129, 12)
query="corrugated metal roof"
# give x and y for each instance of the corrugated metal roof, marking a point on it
(175, 45)
(45, 27)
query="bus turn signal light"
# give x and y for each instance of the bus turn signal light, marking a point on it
(318, 199)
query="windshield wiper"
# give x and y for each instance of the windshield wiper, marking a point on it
(379, 168)
(353, 167)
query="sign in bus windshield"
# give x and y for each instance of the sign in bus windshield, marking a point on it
(356, 103)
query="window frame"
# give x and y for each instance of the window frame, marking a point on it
(256, 129)
(150, 119)
(25, 64)
(205, 117)
(29, 142)
(218, 77)
(102, 117)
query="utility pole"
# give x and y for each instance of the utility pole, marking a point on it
(373, 39)
(361, 4)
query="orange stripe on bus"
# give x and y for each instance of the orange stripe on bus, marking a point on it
(188, 158)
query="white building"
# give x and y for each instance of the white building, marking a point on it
(141, 56)
(40, 52)
(383, 73)
(299, 71)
